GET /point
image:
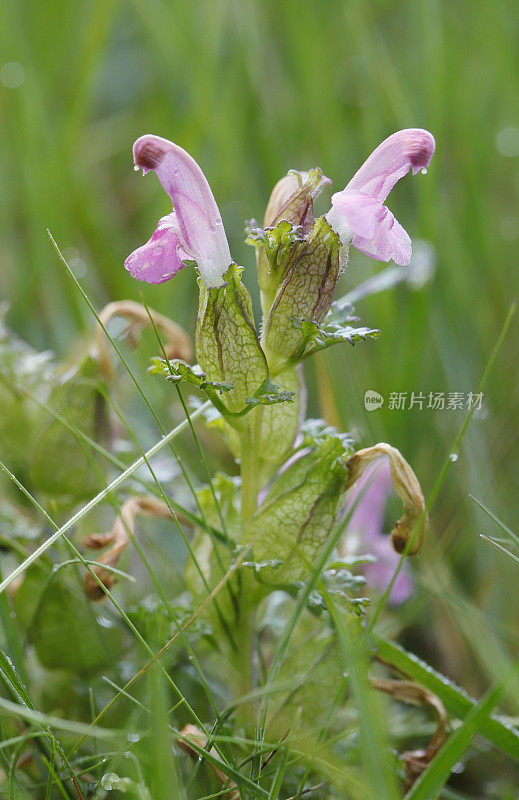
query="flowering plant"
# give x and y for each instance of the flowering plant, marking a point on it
(287, 511)
(264, 656)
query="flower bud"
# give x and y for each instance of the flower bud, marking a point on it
(292, 200)
(305, 293)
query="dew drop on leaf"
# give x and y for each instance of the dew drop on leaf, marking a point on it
(109, 781)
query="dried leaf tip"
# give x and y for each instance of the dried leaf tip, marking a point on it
(406, 485)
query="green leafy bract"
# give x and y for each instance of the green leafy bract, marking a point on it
(277, 248)
(299, 512)
(220, 508)
(227, 344)
(226, 490)
(276, 242)
(279, 425)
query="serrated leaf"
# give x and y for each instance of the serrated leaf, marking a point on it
(347, 604)
(257, 566)
(177, 371)
(315, 337)
(343, 580)
(269, 394)
(276, 241)
(317, 431)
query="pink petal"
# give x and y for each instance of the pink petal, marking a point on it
(379, 575)
(375, 486)
(390, 241)
(375, 230)
(161, 257)
(367, 521)
(360, 211)
(411, 148)
(201, 230)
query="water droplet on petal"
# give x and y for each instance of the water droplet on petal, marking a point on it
(424, 171)
(136, 168)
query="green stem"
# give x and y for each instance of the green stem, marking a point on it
(245, 623)
(249, 467)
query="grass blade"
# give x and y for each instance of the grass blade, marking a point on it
(381, 780)
(500, 547)
(99, 497)
(431, 782)
(455, 699)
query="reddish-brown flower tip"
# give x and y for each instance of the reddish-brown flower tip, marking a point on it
(148, 152)
(420, 150)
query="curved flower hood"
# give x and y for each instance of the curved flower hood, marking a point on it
(193, 231)
(358, 213)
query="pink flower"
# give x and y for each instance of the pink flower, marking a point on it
(193, 231)
(358, 214)
(366, 525)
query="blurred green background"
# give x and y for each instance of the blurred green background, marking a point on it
(252, 89)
